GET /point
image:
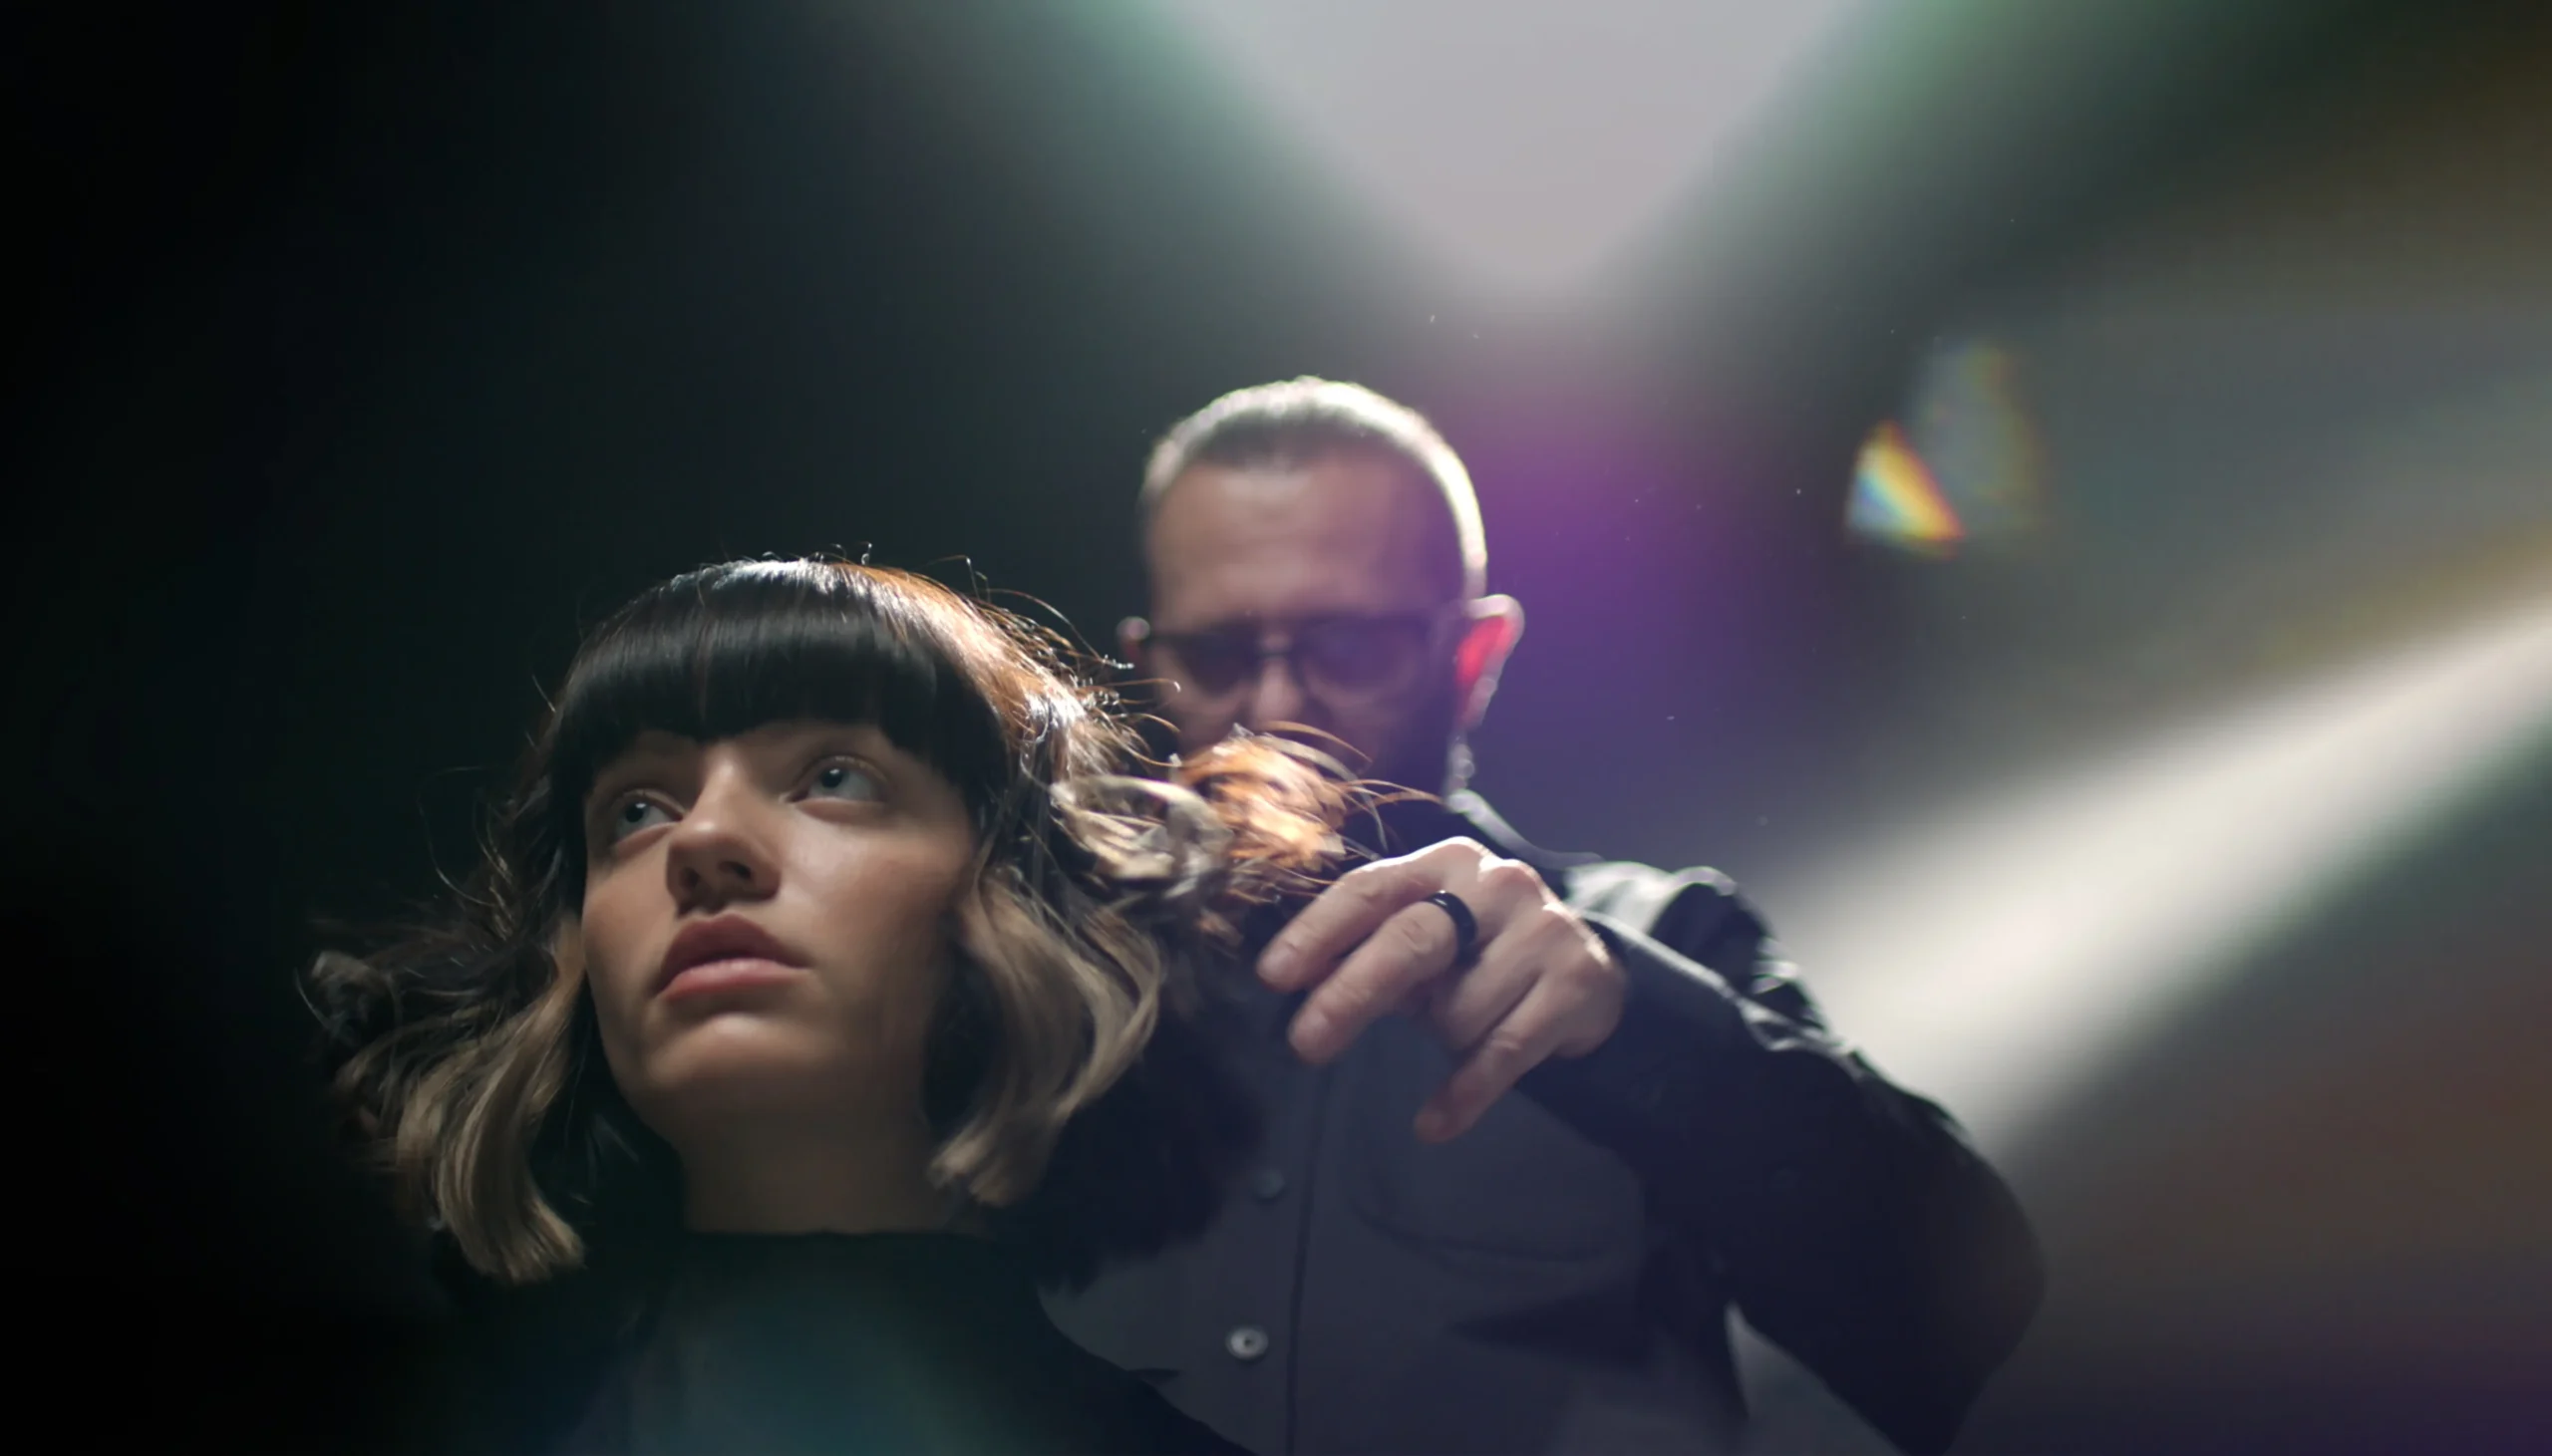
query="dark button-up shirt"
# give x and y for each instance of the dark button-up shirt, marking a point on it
(1559, 1278)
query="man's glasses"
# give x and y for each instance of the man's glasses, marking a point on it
(1339, 659)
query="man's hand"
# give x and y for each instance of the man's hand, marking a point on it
(1542, 984)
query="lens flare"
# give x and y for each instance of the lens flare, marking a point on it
(1967, 465)
(1896, 500)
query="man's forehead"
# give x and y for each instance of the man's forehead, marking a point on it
(1347, 532)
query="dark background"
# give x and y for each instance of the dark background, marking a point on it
(363, 354)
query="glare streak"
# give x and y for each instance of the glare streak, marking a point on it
(2001, 958)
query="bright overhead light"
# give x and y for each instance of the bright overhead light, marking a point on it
(1522, 141)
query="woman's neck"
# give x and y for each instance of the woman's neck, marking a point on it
(811, 1181)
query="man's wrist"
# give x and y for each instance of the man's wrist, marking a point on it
(1703, 1094)
(1651, 1075)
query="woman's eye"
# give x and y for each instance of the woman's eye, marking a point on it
(843, 782)
(635, 814)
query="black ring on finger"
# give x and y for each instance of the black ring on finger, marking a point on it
(1465, 925)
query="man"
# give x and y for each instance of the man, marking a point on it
(1534, 1122)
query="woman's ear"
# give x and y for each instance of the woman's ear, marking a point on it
(1497, 624)
(966, 926)
(960, 1038)
(568, 951)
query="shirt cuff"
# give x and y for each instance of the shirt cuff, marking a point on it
(1707, 1096)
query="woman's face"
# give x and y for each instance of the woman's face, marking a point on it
(764, 924)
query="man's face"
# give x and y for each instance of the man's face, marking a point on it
(1346, 564)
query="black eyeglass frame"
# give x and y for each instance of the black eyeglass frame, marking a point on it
(1432, 625)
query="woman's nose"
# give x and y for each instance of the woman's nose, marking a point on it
(720, 853)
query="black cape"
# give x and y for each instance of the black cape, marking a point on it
(876, 1343)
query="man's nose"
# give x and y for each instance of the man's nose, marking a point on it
(1276, 697)
(718, 854)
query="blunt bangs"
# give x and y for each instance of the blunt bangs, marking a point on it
(727, 649)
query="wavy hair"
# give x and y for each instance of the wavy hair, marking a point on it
(1070, 1100)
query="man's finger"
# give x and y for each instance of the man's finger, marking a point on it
(1411, 948)
(1350, 911)
(1518, 1045)
(1466, 1007)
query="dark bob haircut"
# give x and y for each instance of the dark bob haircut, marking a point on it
(1075, 1112)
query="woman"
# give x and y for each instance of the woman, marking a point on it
(822, 989)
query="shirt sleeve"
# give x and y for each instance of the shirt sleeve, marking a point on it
(1855, 1226)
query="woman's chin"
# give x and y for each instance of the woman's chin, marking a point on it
(745, 1061)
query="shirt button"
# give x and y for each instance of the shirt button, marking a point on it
(1246, 1342)
(1268, 1184)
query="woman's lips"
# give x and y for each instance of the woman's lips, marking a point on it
(738, 973)
(729, 953)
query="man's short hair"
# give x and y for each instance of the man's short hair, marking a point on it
(1300, 421)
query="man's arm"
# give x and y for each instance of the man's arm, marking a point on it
(1855, 1226)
